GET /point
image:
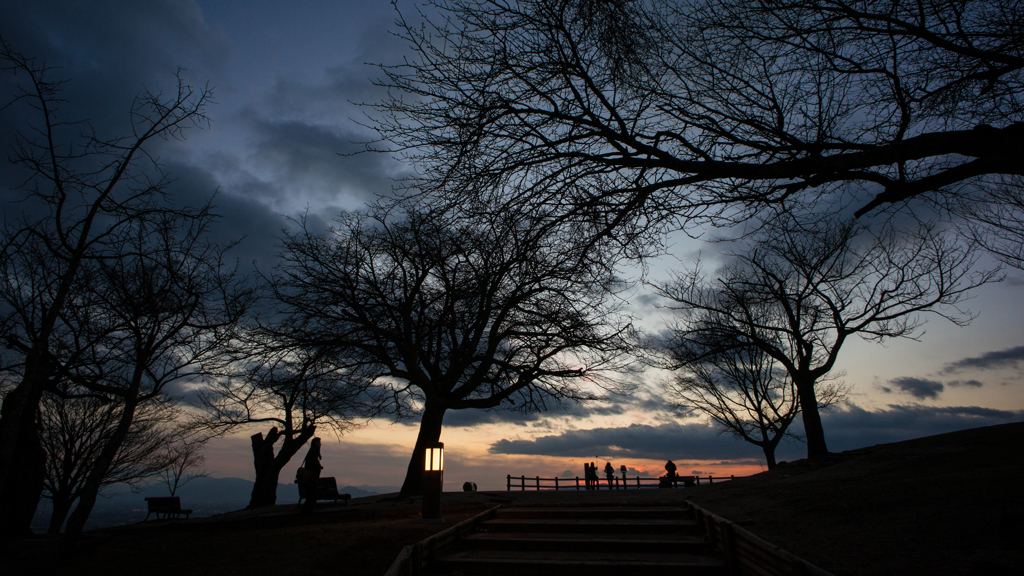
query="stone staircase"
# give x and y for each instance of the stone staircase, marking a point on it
(629, 540)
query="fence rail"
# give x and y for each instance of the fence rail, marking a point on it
(524, 483)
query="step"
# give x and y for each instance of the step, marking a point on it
(591, 526)
(553, 562)
(587, 542)
(647, 512)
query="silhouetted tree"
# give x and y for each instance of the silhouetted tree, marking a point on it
(294, 388)
(996, 219)
(631, 115)
(183, 461)
(74, 431)
(802, 291)
(741, 389)
(82, 192)
(164, 308)
(455, 314)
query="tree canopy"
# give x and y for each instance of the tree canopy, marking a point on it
(450, 313)
(636, 115)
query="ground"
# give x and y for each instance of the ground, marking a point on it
(943, 505)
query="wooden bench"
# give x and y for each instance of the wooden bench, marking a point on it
(667, 482)
(166, 505)
(326, 489)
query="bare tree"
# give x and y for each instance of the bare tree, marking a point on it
(75, 429)
(183, 462)
(164, 308)
(742, 390)
(449, 314)
(81, 189)
(296, 389)
(996, 219)
(636, 115)
(802, 291)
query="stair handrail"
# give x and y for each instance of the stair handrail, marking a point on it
(413, 558)
(747, 554)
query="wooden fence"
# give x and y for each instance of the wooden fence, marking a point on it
(748, 555)
(577, 483)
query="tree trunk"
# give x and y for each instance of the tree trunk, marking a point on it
(94, 481)
(61, 507)
(430, 431)
(268, 466)
(22, 458)
(769, 453)
(264, 489)
(816, 447)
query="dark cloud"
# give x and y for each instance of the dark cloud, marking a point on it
(648, 402)
(846, 428)
(962, 383)
(1008, 358)
(109, 51)
(919, 388)
(312, 163)
(666, 441)
(850, 427)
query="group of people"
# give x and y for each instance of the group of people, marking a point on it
(593, 481)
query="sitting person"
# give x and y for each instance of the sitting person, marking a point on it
(670, 473)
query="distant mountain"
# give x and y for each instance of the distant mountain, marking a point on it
(368, 490)
(205, 496)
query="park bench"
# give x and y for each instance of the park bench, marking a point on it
(667, 482)
(166, 505)
(326, 489)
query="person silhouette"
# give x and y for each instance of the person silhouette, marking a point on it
(313, 468)
(595, 481)
(670, 469)
(609, 473)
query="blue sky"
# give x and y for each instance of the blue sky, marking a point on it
(288, 81)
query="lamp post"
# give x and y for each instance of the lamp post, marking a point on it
(433, 480)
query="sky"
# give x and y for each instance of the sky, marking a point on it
(288, 84)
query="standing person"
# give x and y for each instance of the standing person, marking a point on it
(609, 473)
(595, 482)
(670, 473)
(313, 468)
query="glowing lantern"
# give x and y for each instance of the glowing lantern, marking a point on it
(433, 480)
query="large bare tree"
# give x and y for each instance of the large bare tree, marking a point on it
(75, 430)
(449, 313)
(632, 115)
(164, 307)
(82, 191)
(740, 388)
(803, 290)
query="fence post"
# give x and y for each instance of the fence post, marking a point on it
(538, 483)
(729, 548)
(508, 483)
(556, 483)
(711, 480)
